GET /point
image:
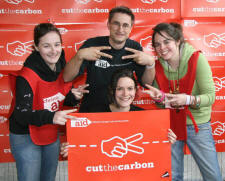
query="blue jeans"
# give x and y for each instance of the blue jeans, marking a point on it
(34, 162)
(203, 150)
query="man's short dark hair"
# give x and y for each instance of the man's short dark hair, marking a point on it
(121, 9)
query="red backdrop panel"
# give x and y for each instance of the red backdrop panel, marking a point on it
(5, 93)
(15, 45)
(218, 68)
(69, 11)
(218, 119)
(5, 151)
(218, 130)
(207, 36)
(74, 35)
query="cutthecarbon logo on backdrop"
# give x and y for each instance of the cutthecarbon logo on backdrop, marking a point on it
(3, 119)
(15, 3)
(85, 10)
(153, 10)
(205, 9)
(17, 49)
(214, 41)
(219, 83)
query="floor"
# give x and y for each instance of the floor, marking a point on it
(191, 173)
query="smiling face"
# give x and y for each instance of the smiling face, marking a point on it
(166, 47)
(120, 27)
(50, 48)
(125, 92)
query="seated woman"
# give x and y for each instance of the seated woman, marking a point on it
(121, 93)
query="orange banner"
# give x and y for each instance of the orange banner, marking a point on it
(119, 146)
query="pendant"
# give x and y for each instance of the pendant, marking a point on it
(176, 91)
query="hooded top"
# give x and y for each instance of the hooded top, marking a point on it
(23, 115)
(203, 85)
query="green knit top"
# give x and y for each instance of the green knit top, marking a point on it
(203, 86)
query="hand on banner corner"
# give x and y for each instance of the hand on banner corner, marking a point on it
(61, 117)
(171, 136)
(64, 149)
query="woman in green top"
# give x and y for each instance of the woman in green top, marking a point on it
(186, 78)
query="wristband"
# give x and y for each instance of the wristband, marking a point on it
(162, 98)
(188, 100)
(150, 66)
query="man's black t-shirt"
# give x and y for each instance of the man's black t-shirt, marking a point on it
(99, 72)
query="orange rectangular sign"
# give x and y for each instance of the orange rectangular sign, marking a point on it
(119, 146)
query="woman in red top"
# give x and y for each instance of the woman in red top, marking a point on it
(40, 94)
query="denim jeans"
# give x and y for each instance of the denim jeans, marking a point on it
(203, 150)
(34, 162)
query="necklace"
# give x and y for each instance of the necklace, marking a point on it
(176, 87)
(176, 82)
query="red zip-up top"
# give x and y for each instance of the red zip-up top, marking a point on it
(178, 119)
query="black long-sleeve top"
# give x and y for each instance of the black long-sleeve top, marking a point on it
(23, 114)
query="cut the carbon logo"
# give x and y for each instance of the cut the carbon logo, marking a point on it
(18, 48)
(87, 1)
(219, 83)
(121, 167)
(18, 1)
(214, 40)
(18, 11)
(152, 1)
